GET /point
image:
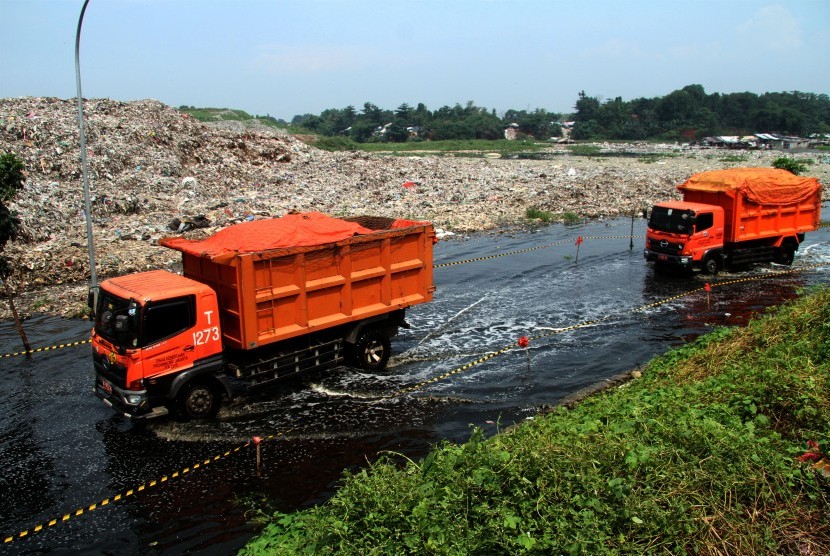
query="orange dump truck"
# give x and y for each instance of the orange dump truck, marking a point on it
(735, 217)
(259, 301)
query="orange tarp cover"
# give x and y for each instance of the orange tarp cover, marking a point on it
(291, 230)
(768, 186)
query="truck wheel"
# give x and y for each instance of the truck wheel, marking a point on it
(372, 350)
(197, 400)
(784, 255)
(711, 266)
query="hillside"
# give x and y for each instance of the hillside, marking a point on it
(151, 165)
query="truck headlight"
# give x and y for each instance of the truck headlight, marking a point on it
(684, 260)
(134, 399)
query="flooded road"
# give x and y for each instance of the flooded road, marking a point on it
(64, 451)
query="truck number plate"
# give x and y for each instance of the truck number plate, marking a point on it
(663, 257)
(106, 386)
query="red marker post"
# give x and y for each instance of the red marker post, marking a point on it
(708, 289)
(257, 441)
(523, 343)
(579, 241)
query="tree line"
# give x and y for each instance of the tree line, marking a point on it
(686, 114)
(418, 123)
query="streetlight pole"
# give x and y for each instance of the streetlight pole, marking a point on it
(87, 204)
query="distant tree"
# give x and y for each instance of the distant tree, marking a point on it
(421, 117)
(613, 117)
(586, 108)
(362, 131)
(308, 121)
(676, 107)
(396, 132)
(540, 123)
(586, 130)
(404, 113)
(373, 114)
(696, 93)
(734, 110)
(688, 113)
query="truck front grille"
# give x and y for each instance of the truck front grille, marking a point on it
(663, 246)
(114, 372)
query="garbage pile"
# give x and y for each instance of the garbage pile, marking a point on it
(155, 171)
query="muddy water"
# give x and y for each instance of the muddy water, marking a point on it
(62, 450)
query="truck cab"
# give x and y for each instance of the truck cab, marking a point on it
(734, 218)
(257, 303)
(156, 335)
(685, 235)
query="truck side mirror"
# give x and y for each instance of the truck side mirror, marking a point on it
(122, 323)
(92, 298)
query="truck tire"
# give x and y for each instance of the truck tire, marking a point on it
(372, 350)
(784, 255)
(197, 400)
(711, 266)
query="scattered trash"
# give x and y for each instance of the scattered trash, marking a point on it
(149, 165)
(818, 459)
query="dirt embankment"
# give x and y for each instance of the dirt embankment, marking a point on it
(153, 172)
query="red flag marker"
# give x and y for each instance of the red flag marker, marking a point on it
(523, 343)
(257, 440)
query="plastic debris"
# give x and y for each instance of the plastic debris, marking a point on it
(149, 165)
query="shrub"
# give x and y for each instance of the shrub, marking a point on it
(790, 164)
(538, 214)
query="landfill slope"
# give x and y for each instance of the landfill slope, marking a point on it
(154, 172)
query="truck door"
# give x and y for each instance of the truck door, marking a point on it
(167, 344)
(704, 235)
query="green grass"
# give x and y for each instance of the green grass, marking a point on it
(538, 214)
(585, 150)
(699, 456)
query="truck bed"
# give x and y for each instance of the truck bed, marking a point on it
(758, 203)
(345, 270)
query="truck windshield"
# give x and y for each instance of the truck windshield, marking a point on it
(110, 310)
(127, 324)
(676, 221)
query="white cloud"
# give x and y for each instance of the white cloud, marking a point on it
(772, 28)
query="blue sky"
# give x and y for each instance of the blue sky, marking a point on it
(283, 58)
